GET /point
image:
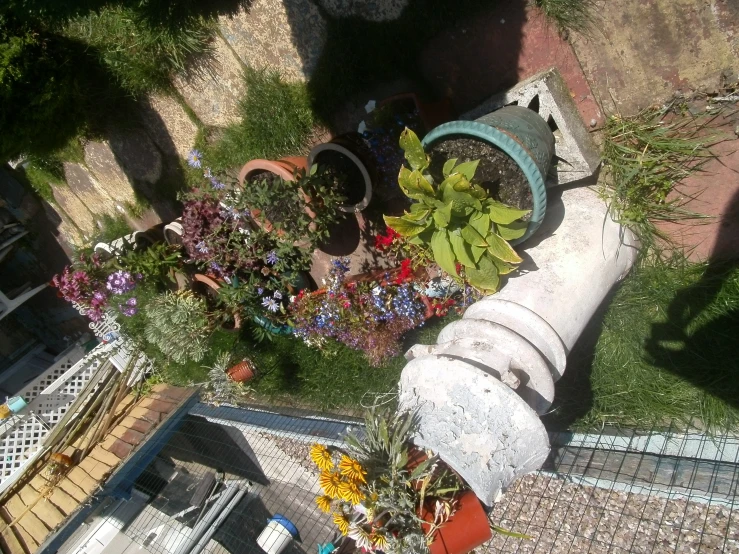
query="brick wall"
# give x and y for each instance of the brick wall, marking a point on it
(51, 505)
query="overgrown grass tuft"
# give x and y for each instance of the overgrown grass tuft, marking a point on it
(112, 227)
(276, 120)
(569, 15)
(666, 351)
(645, 158)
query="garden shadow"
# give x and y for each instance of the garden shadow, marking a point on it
(702, 352)
(360, 58)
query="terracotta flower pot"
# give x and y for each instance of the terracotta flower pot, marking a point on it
(213, 286)
(242, 372)
(467, 529)
(284, 168)
(432, 114)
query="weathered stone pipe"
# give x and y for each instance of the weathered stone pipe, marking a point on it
(479, 390)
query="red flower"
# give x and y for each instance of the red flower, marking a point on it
(405, 272)
(383, 241)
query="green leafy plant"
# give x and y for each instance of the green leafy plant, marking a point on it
(220, 388)
(464, 228)
(179, 325)
(157, 262)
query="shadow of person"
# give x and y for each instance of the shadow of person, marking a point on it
(702, 322)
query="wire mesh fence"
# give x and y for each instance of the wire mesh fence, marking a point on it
(215, 484)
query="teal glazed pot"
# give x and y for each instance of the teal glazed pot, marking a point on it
(524, 136)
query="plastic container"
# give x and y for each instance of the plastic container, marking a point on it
(16, 404)
(277, 535)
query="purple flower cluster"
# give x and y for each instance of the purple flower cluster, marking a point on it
(129, 308)
(120, 282)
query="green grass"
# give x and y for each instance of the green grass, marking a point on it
(142, 54)
(645, 157)
(293, 374)
(666, 351)
(569, 15)
(276, 120)
(112, 227)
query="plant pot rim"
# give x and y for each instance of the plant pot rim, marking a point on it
(278, 167)
(509, 146)
(330, 146)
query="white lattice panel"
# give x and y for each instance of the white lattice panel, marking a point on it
(20, 444)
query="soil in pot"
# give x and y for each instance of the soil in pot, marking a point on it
(346, 176)
(497, 172)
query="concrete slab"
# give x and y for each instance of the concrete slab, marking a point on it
(84, 185)
(372, 10)
(499, 48)
(169, 125)
(263, 36)
(714, 192)
(75, 209)
(642, 51)
(214, 90)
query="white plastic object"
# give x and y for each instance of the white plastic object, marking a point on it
(274, 538)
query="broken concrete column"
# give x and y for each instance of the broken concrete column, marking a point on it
(479, 389)
(578, 257)
(476, 424)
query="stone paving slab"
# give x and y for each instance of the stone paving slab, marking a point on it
(214, 89)
(169, 124)
(714, 191)
(84, 185)
(499, 48)
(287, 35)
(642, 51)
(74, 208)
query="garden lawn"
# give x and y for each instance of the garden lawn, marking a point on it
(666, 351)
(293, 374)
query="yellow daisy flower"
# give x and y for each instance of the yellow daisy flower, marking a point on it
(349, 491)
(324, 503)
(321, 457)
(342, 522)
(352, 468)
(330, 483)
(379, 541)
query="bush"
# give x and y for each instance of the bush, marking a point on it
(41, 92)
(276, 120)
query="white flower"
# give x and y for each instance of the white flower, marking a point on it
(377, 291)
(360, 536)
(293, 298)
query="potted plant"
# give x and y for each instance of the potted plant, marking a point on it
(346, 162)
(387, 498)
(514, 146)
(221, 387)
(465, 229)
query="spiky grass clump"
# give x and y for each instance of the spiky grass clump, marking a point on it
(569, 15)
(645, 159)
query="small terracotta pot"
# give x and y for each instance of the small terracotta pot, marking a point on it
(62, 459)
(432, 114)
(467, 529)
(214, 286)
(242, 372)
